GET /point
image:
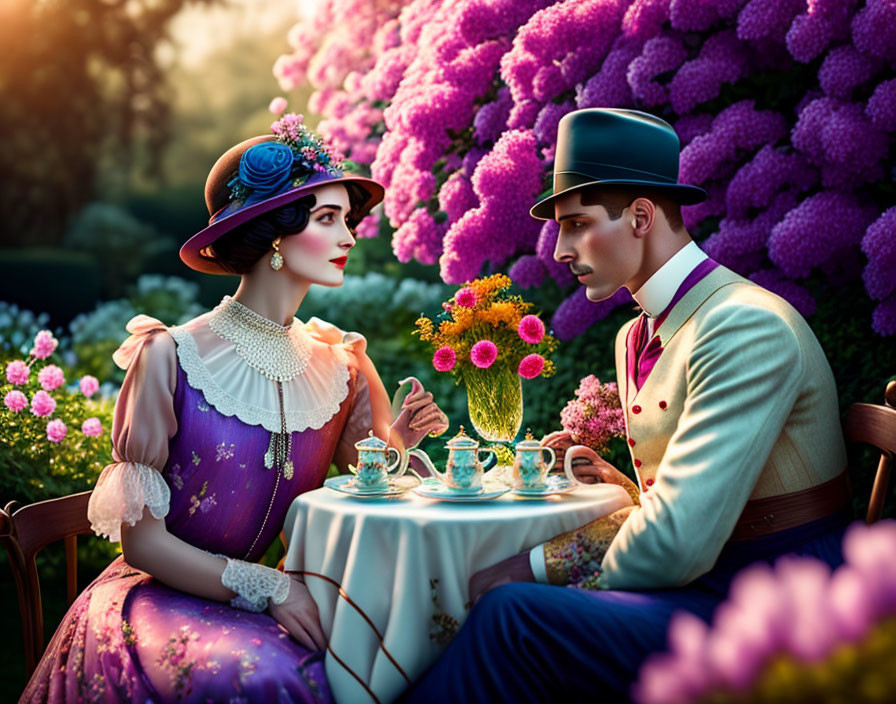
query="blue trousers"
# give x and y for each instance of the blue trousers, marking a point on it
(529, 642)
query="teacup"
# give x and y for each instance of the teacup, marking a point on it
(530, 471)
(373, 470)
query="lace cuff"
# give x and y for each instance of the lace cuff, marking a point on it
(121, 492)
(254, 585)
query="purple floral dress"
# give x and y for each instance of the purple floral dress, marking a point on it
(129, 637)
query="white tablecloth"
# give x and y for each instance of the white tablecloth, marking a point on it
(394, 572)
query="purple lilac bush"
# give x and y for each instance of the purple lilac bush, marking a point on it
(786, 110)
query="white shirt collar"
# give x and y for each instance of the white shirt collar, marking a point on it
(658, 291)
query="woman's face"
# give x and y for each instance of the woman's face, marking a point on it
(319, 252)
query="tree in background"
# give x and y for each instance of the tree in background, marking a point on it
(80, 83)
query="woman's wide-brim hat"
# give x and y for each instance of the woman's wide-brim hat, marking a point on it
(230, 207)
(610, 147)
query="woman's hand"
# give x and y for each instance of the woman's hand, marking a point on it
(298, 615)
(419, 415)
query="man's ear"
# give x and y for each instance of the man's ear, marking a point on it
(643, 215)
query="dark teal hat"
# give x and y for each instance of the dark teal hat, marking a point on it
(601, 146)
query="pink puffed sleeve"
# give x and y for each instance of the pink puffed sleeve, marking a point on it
(143, 423)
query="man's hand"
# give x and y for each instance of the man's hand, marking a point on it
(559, 441)
(590, 468)
(513, 569)
(298, 615)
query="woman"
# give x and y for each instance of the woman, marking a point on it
(221, 422)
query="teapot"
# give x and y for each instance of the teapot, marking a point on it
(464, 470)
(373, 470)
(530, 471)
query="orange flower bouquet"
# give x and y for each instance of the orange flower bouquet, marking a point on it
(489, 340)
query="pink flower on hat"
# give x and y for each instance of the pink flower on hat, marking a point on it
(444, 358)
(92, 427)
(484, 353)
(17, 372)
(51, 377)
(89, 385)
(56, 430)
(42, 404)
(278, 105)
(531, 329)
(531, 366)
(466, 298)
(15, 400)
(44, 344)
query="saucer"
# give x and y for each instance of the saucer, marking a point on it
(434, 489)
(348, 484)
(555, 484)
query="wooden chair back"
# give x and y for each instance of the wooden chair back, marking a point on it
(25, 531)
(876, 425)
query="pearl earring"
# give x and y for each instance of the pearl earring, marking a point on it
(276, 257)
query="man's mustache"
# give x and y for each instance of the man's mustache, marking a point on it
(580, 270)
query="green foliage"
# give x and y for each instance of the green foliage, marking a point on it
(96, 335)
(119, 242)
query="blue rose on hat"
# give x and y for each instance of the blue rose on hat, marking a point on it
(266, 168)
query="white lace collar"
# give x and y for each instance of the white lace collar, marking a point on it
(234, 378)
(278, 352)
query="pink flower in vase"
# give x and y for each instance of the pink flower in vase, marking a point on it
(17, 372)
(42, 404)
(444, 358)
(531, 329)
(92, 427)
(531, 366)
(15, 401)
(56, 430)
(51, 377)
(44, 344)
(466, 298)
(89, 385)
(484, 353)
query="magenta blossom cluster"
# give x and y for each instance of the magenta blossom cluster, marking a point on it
(798, 610)
(455, 107)
(594, 416)
(50, 378)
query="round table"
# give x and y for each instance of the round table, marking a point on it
(390, 576)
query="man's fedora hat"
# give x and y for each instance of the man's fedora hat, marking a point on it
(263, 173)
(603, 147)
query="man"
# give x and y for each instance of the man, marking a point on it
(732, 424)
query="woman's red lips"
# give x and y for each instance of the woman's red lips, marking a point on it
(340, 262)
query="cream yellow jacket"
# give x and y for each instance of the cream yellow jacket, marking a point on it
(740, 405)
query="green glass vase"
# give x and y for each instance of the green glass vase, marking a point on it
(495, 402)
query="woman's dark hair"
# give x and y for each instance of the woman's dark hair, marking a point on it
(238, 250)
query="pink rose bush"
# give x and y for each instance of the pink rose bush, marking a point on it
(594, 416)
(15, 401)
(56, 430)
(454, 107)
(797, 628)
(51, 377)
(89, 385)
(92, 427)
(43, 405)
(37, 451)
(17, 372)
